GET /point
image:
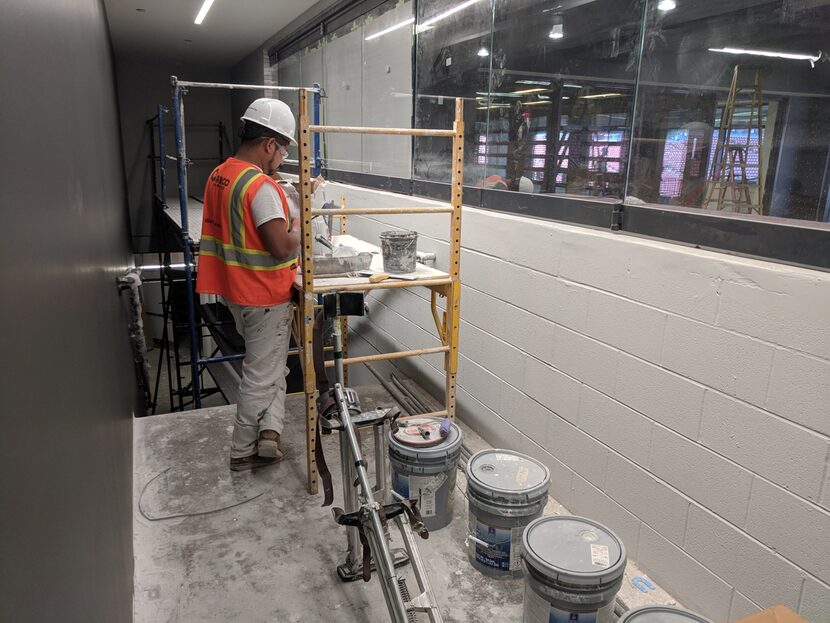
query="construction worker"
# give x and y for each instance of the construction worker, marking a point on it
(248, 255)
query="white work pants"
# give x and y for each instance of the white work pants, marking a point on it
(261, 405)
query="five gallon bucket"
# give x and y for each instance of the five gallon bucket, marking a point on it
(661, 614)
(506, 491)
(574, 568)
(399, 250)
(423, 466)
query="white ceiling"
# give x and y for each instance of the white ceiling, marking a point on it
(231, 30)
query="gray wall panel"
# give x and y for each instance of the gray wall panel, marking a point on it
(65, 372)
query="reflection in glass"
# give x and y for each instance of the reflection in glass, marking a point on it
(733, 109)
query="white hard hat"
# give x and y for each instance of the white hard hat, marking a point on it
(272, 114)
(525, 185)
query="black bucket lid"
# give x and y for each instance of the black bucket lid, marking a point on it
(661, 614)
(574, 551)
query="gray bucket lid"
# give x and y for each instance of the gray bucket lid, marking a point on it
(496, 474)
(573, 550)
(449, 446)
(661, 614)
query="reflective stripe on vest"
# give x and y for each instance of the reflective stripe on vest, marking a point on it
(236, 253)
(247, 258)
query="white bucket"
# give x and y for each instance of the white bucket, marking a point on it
(574, 568)
(506, 491)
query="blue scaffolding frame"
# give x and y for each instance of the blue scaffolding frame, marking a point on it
(180, 87)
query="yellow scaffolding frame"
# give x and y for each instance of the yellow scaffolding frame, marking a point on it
(447, 287)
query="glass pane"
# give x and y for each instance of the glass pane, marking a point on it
(289, 74)
(387, 88)
(343, 53)
(452, 60)
(732, 113)
(561, 98)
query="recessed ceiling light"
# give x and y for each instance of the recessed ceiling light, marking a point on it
(666, 5)
(200, 17)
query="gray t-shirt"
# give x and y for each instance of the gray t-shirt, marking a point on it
(266, 205)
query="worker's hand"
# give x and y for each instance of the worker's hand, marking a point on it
(318, 181)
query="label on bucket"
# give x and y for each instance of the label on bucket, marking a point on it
(600, 556)
(422, 488)
(504, 550)
(538, 610)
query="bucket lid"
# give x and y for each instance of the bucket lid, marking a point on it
(417, 430)
(496, 474)
(446, 447)
(661, 614)
(573, 550)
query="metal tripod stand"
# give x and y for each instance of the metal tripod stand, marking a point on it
(367, 520)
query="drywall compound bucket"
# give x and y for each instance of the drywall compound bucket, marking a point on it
(399, 250)
(506, 491)
(661, 614)
(423, 466)
(573, 570)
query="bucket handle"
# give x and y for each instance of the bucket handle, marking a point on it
(484, 544)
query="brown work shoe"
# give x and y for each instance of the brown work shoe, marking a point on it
(251, 462)
(269, 445)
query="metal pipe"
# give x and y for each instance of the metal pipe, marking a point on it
(422, 408)
(245, 87)
(181, 156)
(389, 388)
(346, 129)
(162, 153)
(418, 410)
(349, 502)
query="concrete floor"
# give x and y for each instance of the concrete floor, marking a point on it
(273, 558)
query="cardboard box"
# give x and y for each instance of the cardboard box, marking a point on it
(776, 614)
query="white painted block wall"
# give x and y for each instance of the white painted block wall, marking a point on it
(679, 396)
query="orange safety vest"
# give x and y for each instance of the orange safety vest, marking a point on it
(233, 261)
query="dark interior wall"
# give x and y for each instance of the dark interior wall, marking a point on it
(65, 373)
(143, 85)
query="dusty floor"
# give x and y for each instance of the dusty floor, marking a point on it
(272, 558)
(271, 555)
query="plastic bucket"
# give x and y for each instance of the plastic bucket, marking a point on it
(661, 614)
(506, 491)
(427, 472)
(399, 250)
(574, 568)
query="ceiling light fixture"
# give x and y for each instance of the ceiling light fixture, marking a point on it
(483, 51)
(535, 103)
(406, 22)
(557, 31)
(666, 5)
(792, 56)
(459, 7)
(544, 83)
(524, 91)
(572, 86)
(600, 95)
(200, 17)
